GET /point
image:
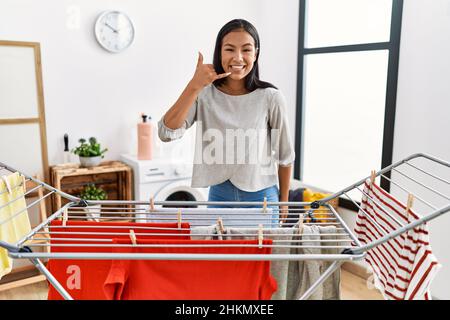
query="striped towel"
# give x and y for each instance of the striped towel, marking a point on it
(404, 266)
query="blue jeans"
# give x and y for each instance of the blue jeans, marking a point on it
(226, 191)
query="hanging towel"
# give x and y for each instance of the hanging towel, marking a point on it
(83, 279)
(191, 280)
(208, 216)
(13, 225)
(203, 233)
(278, 268)
(403, 267)
(303, 274)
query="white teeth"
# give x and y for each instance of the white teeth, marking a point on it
(237, 67)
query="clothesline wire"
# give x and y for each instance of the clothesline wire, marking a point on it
(381, 206)
(147, 228)
(166, 245)
(14, 187)
(239, 236)
(99, 210)
(428, 173)
(421, 184)
(168, 220)
(19, 197)
(184, 234)
(366, 214)
(408, 192)
(25, 210)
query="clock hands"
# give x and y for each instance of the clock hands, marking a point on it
(114, 30)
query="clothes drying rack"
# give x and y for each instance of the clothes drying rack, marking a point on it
(425, 177)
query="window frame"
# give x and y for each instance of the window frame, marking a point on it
(393, 47)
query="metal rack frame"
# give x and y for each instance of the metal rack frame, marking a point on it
(299, 213)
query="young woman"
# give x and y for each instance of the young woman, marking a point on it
(243, 146)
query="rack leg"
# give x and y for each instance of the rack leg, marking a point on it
(323, 277)
(41, 267)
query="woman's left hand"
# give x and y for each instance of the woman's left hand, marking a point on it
(283, 213)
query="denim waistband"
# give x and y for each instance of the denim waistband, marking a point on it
(226, 191)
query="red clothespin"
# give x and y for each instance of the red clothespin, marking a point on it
(179, 218)
(260, 236)
(133, 237)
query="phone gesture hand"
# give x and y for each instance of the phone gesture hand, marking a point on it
(205, 74)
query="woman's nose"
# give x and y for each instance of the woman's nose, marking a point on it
(238, 55)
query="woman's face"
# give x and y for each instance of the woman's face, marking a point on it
(238, 54)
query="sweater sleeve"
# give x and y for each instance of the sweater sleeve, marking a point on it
(281, 141)
(167, 134)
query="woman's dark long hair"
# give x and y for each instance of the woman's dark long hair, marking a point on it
(252, 81)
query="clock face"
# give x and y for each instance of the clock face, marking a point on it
(114, 31)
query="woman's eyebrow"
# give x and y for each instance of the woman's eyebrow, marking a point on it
(229, 44)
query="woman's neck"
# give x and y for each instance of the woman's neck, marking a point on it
(233, 87)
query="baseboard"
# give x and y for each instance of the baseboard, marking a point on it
(356, 269)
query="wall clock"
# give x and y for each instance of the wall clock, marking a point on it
(114, 31)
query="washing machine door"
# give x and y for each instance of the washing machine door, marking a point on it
(181, 191)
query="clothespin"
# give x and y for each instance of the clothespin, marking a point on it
(372, 177)
(8, 186)
(260, 236)
(265, 205)
(24, 184)
(65, 217)
(133, 237)
(220, 224)
(152, 204)
(179, 218)
(409, 204)
(300, 223)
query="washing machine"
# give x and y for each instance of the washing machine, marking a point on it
(164, 179)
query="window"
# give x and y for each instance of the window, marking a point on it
(347, 83)
(342, 22)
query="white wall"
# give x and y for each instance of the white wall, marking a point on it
(89, 91)
(422, 121)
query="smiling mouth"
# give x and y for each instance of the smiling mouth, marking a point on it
(237, 67)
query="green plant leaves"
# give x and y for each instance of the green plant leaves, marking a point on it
(91, 149)
(91, 192)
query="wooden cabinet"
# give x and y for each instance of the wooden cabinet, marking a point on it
(114, 177)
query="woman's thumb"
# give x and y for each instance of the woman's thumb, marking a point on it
(200, 59)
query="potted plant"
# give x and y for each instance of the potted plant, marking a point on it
(91, 192)
(90, 153)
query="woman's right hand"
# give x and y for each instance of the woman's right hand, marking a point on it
(205, 74)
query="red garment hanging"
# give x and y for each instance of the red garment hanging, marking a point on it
(191, 280)
(84, 279)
